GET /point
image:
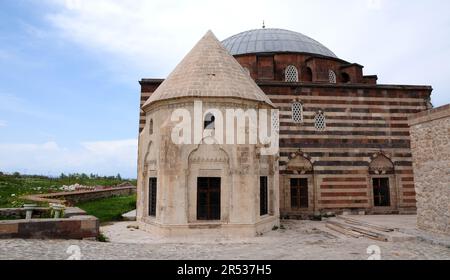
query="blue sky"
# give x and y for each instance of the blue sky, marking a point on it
(69, 69)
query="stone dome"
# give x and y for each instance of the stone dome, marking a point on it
(270, 40)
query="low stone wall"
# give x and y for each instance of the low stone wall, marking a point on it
(72, 198)
(18, 213)
(430, 143)
(76, 227)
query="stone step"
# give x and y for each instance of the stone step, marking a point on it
(130, 216)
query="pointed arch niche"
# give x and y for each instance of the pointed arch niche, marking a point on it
(207, 164)
(383, 184)
(299, 184)
(148, 194)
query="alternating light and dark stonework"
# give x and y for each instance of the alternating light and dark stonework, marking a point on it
(347, 146)
(195, 189)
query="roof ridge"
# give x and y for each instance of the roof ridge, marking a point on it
(208, 70)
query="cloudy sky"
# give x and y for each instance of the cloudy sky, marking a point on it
(69, 69)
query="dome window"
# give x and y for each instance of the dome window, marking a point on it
(291, 74)
(320, 121)
(332, 77)
(297, 112)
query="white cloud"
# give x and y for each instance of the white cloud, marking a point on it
(3, 123)
(103, 157)
(141, 38)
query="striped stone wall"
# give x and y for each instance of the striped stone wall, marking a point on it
(148, 86)
(362, 122)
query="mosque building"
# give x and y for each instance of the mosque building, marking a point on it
(344, 142)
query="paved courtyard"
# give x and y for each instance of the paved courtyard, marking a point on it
(298, 240)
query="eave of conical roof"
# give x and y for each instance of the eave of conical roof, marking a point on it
(209, 71)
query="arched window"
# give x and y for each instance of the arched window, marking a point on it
(297, 112)
(151, 127)
(291, 74)
(332, 77)
(210, 120)
(307, 77)
(345, 78)
(320, 121)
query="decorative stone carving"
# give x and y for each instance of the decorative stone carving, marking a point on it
(208, 154)
(299, 163)
(381, 165)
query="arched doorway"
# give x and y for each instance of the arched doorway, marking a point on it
(209, 184)
(299, 185)
(381, 170)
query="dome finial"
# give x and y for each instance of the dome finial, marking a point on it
(264, 25)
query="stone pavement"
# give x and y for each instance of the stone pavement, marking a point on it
(298, 241)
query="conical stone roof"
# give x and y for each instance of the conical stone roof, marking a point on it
(209, 71)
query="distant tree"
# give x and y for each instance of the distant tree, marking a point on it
(62, 176)
(16, 174)
(119, 177)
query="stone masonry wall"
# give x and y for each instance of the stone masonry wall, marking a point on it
(72, 198)
(76, 227)
(430, 136)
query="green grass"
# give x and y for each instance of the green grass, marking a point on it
(12, 187)
(109, 209)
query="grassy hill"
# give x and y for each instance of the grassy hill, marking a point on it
(12, 187)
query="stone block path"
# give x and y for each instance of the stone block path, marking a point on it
(299, 240)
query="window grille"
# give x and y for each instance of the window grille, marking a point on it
(320, 121)
(297, 112)
(152, 193)
(332, 77)
(263, 196)
(291, 74)
(275, 121)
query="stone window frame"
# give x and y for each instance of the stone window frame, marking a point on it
(291, 74)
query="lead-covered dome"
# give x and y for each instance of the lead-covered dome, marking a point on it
(270, 40)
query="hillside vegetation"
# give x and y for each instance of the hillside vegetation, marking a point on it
(13, 186)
